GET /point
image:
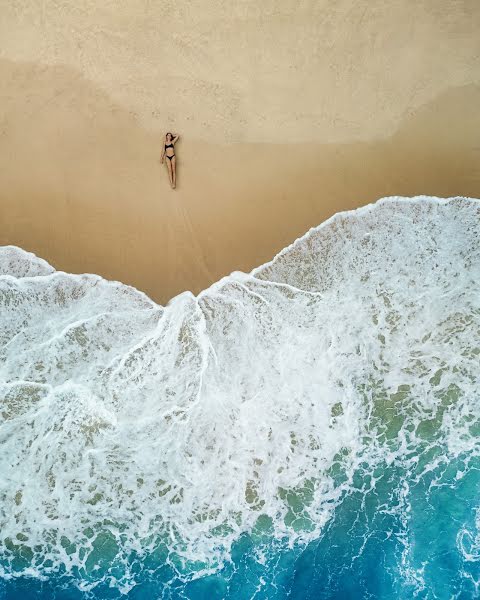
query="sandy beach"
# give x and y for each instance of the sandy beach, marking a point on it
(286, 117)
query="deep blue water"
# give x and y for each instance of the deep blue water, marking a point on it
(368, 550)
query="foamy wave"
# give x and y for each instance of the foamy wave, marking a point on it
(130, 427)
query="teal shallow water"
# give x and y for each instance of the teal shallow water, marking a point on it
(309, 430)
(365, 552)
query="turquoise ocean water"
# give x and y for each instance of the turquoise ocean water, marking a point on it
(310, 430)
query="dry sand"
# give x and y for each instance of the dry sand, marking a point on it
(286, 116)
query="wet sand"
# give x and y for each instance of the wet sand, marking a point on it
(81, 184)
(96, 198)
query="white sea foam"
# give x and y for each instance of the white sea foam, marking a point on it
(130, 426)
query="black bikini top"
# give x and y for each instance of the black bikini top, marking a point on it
(168, 145)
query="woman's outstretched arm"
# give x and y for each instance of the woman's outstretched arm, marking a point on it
(163, 154)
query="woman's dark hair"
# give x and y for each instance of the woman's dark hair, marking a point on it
(170, 134)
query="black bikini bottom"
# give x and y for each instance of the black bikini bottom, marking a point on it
(170, 157)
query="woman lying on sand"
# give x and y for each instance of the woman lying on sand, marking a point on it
(168, 148)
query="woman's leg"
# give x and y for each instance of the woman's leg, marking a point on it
(169, 167)
(174, 171)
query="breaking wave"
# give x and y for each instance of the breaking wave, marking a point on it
(310, 429)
